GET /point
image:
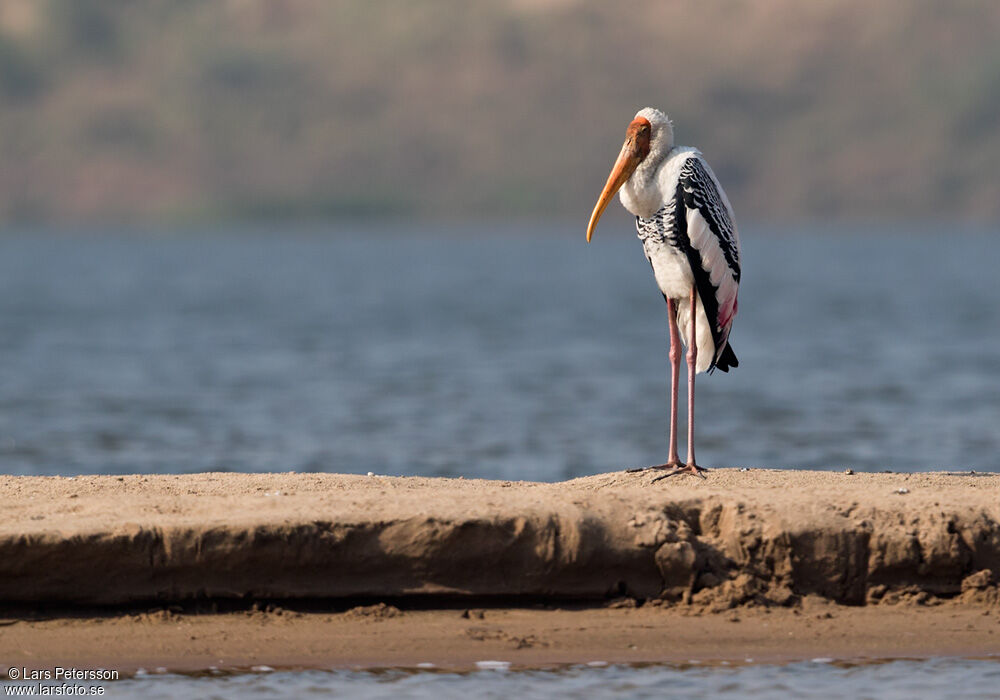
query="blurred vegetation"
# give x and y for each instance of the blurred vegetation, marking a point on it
(179, 110)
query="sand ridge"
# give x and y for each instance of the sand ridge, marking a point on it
(760, 536)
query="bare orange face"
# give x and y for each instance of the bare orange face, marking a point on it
(638, 133)
(634, 150)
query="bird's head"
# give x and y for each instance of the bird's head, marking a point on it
(650, 132)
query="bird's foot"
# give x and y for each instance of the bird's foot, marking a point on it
(690, 468)
(672, 468)
(669, 465)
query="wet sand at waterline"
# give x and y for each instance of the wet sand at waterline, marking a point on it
(386, 636)
(192, 571)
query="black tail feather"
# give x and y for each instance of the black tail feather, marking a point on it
(727, 359)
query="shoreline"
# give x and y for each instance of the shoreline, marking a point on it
(381, 637)
(765, 564)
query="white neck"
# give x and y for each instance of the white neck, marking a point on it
(641, 194)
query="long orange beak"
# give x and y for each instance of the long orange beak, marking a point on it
(634, 149)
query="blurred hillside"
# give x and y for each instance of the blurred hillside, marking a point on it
(188, 110)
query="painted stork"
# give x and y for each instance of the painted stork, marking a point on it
(688, 232)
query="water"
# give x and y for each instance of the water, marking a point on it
(517, 354)
(902, 680)
(507, 353)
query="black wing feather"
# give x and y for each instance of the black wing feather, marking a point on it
(696, 190)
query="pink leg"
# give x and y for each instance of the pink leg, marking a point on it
(673, 461)
(675, 375)
(692, 361)
(692, 358)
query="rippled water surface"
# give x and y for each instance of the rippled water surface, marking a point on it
(896, 680)
(522, 354)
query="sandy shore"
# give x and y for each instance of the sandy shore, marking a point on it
(526, 637)
(761, 564)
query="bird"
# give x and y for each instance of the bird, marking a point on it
(688, 232)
